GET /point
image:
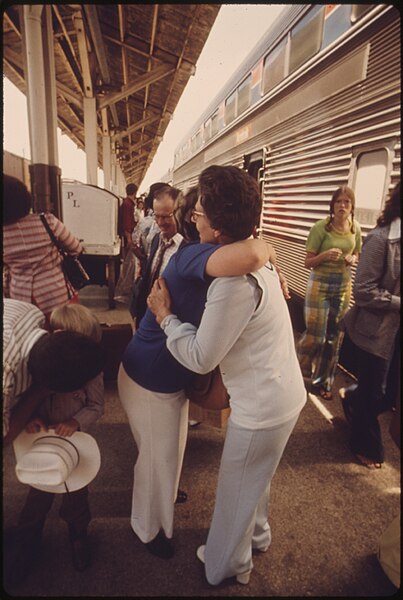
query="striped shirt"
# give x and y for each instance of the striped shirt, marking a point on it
(32, 271)
(22, 327)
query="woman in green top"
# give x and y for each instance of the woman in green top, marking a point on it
(332, 247)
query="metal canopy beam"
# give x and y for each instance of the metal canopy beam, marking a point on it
(70, 96)
(83, 50)
(99, 46)
(136, 127)
(143, 80)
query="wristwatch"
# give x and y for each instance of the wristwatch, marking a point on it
(166, 321)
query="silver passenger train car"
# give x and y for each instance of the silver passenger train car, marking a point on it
(315, 105)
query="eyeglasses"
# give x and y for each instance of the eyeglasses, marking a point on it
(195, 214)
(163, 217)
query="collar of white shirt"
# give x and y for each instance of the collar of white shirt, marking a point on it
(177, 239)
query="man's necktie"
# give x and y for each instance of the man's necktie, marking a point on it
(158, 259)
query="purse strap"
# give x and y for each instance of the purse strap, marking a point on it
(50, 232)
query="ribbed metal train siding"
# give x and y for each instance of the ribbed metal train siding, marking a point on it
(311, 153)
(302, 172)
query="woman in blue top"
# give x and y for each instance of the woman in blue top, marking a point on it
(151, 382)
(333, 245)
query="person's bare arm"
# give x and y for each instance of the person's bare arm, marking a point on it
(245, 256)
(240, 258)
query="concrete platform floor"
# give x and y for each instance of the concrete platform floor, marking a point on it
(327, 513)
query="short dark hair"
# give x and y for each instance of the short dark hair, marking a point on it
(231, 200)
(17, 199)
(148, 202)
(131, 188)
(65, 361)
(183, 212)
(167, 189)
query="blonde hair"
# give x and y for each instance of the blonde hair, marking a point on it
(75, 317)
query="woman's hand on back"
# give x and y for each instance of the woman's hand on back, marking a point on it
(159, 300)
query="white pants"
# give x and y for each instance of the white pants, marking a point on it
(240, 520)
(159, 424)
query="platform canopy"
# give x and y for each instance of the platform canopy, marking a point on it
(134, 59)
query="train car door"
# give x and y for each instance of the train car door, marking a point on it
(254, 165)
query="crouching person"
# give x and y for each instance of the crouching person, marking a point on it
(52, 388)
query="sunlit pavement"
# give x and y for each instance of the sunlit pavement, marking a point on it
(327, 513)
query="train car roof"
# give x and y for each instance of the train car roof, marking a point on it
(268, 40)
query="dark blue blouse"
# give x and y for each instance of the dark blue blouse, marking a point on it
(146, 359)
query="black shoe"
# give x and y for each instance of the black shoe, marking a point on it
(80, 552)
(181, 497)
(161, 546)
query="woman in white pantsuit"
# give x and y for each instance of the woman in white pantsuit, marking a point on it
(151, 385)
(245, 328)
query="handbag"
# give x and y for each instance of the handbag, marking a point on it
(75, 275)
(208, 390)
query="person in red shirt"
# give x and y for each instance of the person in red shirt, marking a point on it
(128, 221)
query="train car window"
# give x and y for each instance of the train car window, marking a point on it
(207, 130)
(358, 10)
(244, 95)
(306, 37)
(198, 141)
(370, 182)
(230, 108)
(337, 22)
(274, 67)
(186, 151)
(214, 123)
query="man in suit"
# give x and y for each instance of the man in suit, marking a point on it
(164, 244)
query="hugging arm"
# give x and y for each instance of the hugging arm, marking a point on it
(242, 257)
(201, 349)
(239, 258)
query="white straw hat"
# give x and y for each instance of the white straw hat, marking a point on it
(51, 463)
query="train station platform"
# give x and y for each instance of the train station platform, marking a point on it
(327, 512)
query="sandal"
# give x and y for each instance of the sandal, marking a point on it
(325, 394)
(368, 462)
